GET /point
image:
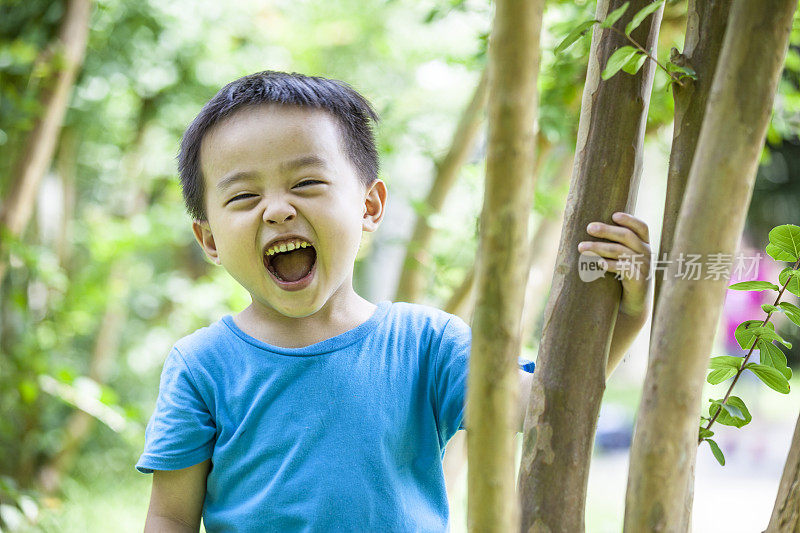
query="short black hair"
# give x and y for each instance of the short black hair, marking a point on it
(353, 112)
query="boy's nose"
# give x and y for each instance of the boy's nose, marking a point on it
(277, 214)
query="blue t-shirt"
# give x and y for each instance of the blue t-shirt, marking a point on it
(345, 434)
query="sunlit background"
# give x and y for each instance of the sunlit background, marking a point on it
(107, 276)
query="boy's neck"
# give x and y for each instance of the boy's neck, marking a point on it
(334, 318)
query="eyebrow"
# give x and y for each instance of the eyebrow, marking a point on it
(243, 175)
(304, 161)
(229, 180)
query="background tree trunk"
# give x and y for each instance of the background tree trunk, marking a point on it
(711, 221)
(786, 513)
(79, 424)
(492, 392)
(705, 29)
(67, 170)
(570, 375)
(411, 285)
(37, 154)
(544, 250)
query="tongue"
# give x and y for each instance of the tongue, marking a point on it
(294, 265)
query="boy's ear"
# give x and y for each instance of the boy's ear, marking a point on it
(374, 205)
(202, 232)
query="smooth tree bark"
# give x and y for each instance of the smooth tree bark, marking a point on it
(411, 285)
(579, 318)
(68, 51)
(710, 222)
(706, 21)
(705, 28)
(786, 513)
(502, 266)
(542, 255)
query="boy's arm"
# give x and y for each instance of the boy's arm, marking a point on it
(626, 329)
(176, 500)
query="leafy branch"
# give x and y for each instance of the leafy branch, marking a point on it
(772, 369)
(628, 58)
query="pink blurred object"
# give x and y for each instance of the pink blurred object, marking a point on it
(746, 305)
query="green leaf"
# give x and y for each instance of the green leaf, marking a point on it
(618, 60)
(731, 409)
(614, 16)
(778, 254)
(771, 377)
(791, 311)
(748, 330)
(745, 334)
(634, 63)
(725, 361)
(789, 308)
(685, 71)
(716, 451)
(705, 433)
(794, 283)
(769, 308)
(719, 375)
(773, 356)
(794, 318)
(641, 15)
(787, 239)
(754, 286)
(574, 35)
(734, 412)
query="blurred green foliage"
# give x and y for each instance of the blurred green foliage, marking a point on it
(122, 246)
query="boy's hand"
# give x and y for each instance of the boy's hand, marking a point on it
(628, 257)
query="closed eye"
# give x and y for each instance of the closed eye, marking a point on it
(240, 197)
(310, 182)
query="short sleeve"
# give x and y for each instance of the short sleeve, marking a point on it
(452, 365)
(181, 431)
(451, 375)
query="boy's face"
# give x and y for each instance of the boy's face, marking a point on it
(295, 180)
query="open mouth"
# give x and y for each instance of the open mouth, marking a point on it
(292, 269)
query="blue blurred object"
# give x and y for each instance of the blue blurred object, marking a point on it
(614, 428)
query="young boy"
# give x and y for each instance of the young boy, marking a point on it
(313, 409)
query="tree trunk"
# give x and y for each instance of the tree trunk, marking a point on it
(544, 252)
(34, 161)
(570, 375)
(542, 258)
(461, 301)
(710, 222)
(493, 390)
(705, 29)
(786, 513)
(79, 424)
(411, 284)
(67, 169)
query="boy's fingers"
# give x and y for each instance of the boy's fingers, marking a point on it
(623, 235)
(638, 226)
(610, 249)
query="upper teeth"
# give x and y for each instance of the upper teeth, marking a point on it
(287, 247)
